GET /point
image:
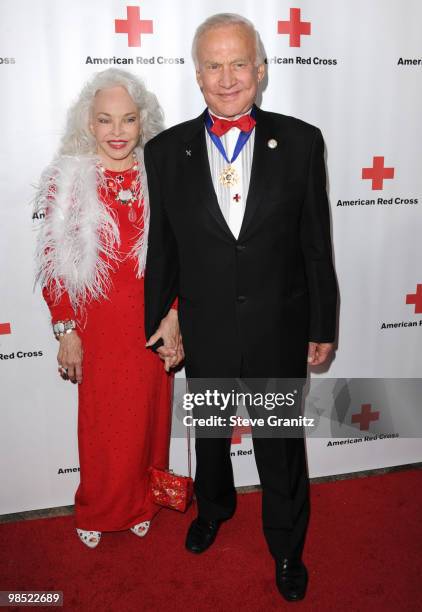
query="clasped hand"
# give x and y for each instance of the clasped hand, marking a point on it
(171, 352)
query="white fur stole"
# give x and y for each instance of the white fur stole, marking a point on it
(79, 238)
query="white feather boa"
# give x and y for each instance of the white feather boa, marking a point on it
(78, 241)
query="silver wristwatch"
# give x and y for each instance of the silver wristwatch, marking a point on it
(63, 327)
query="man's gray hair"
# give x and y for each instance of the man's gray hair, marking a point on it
(224, 19)
(78, 139)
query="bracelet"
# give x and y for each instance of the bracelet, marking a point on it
(63, 327)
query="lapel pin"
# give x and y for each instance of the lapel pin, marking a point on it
(272, 143)
(188, 152)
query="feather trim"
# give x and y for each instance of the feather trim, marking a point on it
(78, 241)
(139, 249)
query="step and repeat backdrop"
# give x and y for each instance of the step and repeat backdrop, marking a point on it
(353, 68)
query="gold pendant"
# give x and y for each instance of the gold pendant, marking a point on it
(229, 176)
(132, 215)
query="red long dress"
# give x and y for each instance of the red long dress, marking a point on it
(125, 395)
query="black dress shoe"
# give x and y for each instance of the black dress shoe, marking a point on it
(292, 578)
(201, 534)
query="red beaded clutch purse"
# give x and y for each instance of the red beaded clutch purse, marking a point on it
(170, 490)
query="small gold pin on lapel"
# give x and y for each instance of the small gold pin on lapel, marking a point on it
(272, 143)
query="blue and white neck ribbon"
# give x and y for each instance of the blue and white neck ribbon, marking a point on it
(228, 176)
(241, 141)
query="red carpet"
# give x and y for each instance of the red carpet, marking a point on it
(364, 552)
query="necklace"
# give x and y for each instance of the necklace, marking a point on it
(128, 195)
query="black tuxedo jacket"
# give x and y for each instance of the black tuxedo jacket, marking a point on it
(247, 306)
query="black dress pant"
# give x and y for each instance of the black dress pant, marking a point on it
(282, 469)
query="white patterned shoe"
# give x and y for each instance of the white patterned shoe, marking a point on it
(89, 538)
(141, 529)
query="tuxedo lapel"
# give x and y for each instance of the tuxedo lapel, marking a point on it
(199, 174)
(263, 168)
(266, 168)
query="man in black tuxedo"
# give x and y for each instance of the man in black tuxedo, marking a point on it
(240, 233)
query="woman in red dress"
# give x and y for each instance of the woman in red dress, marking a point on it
(90, 263)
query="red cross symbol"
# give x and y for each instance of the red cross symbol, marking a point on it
(365, 416)
(238, 432)
(5, 329)
(295, 27)
(416, 299)
(377, 173)
(133, 26)
(236, 197)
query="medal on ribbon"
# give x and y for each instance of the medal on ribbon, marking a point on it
(228, 176)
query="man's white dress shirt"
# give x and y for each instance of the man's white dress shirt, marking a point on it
(232, 200)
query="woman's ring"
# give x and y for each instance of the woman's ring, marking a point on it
(63, 373)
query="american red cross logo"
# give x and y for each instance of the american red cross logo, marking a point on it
(365, 416)
(5, 329)
(295, 28)
(416, 299)
(377, 173)
(133, 26)
(238, 432)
